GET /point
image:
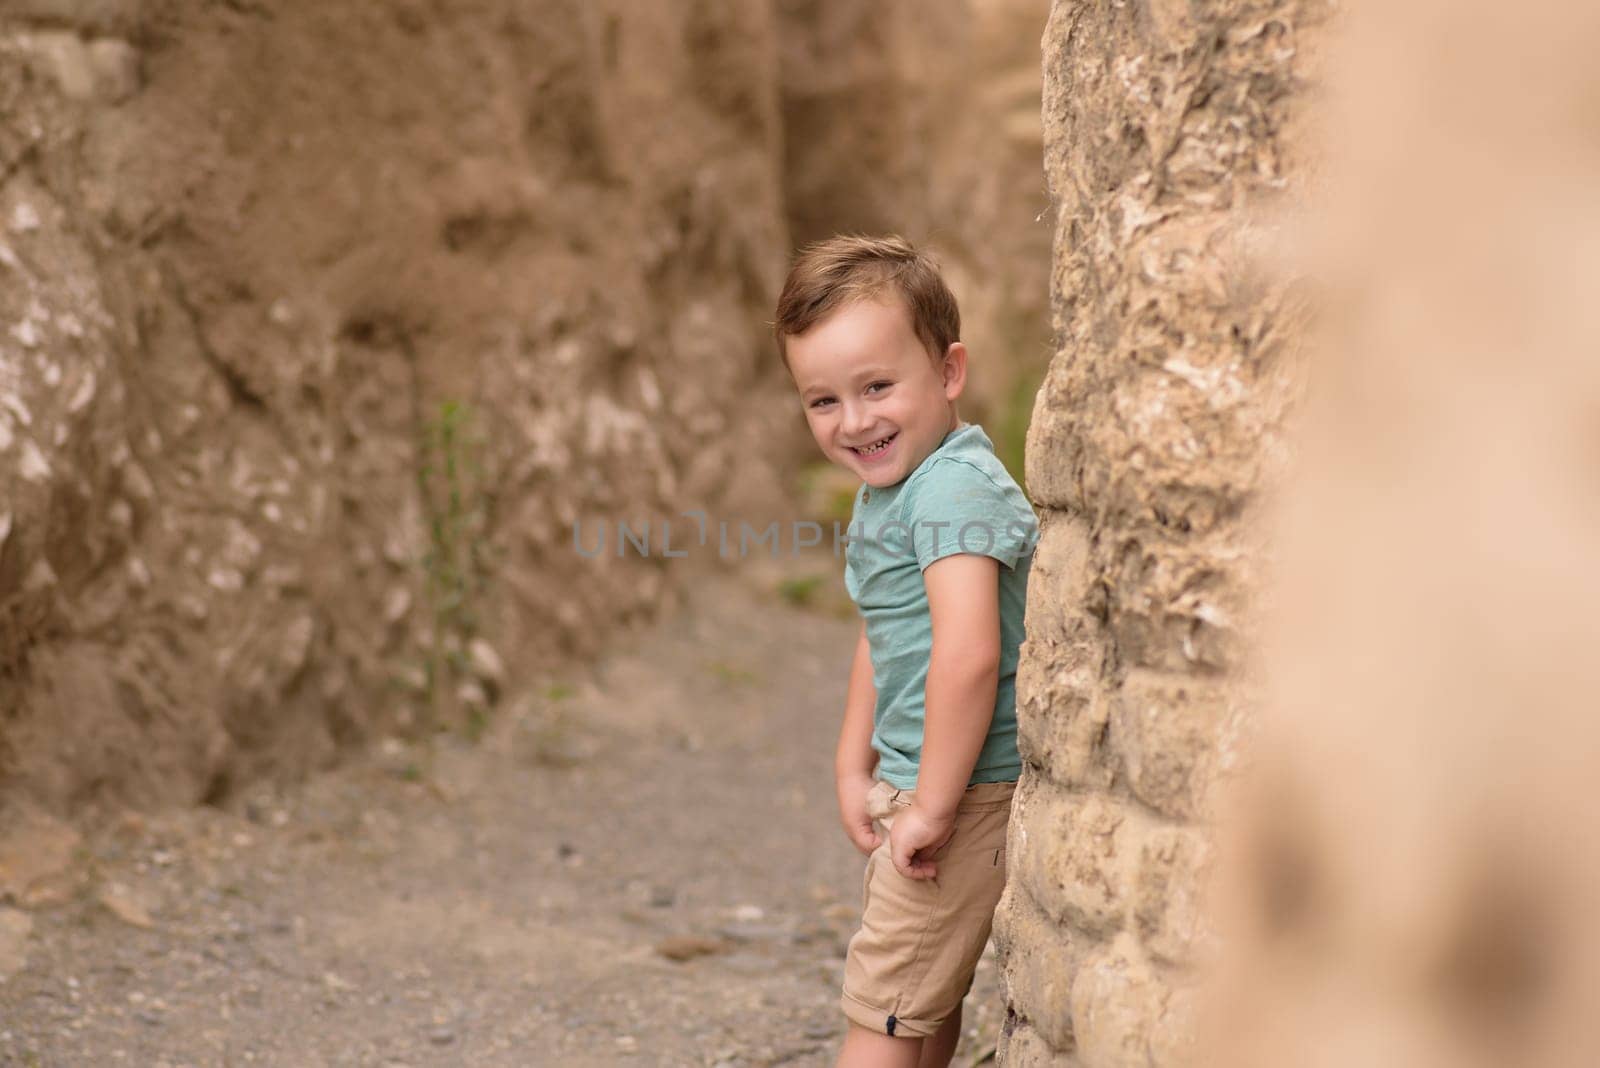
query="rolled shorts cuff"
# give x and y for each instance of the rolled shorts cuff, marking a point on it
(886, 1023)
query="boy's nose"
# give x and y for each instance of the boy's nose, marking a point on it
(855, 420)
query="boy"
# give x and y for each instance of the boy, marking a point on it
(941, 542)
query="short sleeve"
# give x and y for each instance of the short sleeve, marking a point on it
(957, 507)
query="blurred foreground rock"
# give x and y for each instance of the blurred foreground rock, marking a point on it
(1349, 779)
(1410, 876)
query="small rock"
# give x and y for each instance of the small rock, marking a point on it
(688, 947)
(122, 904)
(281, 312)
(471, 692)
(64, 57)
(15, 926)
(24, 219)
(486, 663)
(441, 1036)
(36, 849)
(114, 66)
(811, 935)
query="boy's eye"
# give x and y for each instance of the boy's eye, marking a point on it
(821, 401)
(878, 385)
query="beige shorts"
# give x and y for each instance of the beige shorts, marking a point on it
(912, 961)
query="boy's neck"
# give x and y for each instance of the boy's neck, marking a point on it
(954, 425)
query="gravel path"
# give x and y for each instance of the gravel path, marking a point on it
(641, 865)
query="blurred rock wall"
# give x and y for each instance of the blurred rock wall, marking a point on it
(321, 324)
(923, 118)
(1170, 140)
(1409, 877)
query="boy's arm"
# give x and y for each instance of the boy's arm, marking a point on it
(856, 760)
(855, 757)
(963, 675)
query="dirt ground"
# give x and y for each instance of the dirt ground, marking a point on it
(641, 864)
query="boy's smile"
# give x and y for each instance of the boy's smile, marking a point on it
(875, 401)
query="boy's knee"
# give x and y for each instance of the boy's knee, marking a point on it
(865, 1047)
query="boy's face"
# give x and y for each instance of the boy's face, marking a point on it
(877, 404)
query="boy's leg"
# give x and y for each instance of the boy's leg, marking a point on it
(865, 1048)
(940, 1049)
(910, 965)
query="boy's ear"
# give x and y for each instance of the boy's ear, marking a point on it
(954, 368)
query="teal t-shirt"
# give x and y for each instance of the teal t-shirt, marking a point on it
(959, 499)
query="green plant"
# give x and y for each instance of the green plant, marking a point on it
(828, 493)
(456, 504)
(1011, 421)
(1021, 358)
(800, 592)
(730, 673)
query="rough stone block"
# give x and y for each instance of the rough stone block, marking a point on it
(1059, 577)
(1174, 607)
(1061, 716)
(1173, 1037)
(1072, 854)
(1037, 961)
(1116, 1002)
(1171, 733)
(1053, 454)
(1167, 893)
(1023, 1047)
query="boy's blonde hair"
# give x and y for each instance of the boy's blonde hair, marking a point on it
(829, 274)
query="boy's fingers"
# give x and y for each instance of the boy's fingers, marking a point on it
(906, 864)
(917, 869)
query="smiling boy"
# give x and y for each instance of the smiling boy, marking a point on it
(941, 545)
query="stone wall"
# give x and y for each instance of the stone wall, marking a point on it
(1170, 138)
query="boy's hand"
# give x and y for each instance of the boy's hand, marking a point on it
(914, 836)
(853, 812)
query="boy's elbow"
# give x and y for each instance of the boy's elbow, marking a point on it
(977, 660)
